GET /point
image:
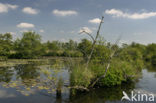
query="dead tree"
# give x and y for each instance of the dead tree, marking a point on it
(94, 40)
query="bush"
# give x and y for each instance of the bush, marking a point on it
(118, 72)
(54, 53)
(72, 54)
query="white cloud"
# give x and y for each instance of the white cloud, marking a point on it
(4, 8)
(41, 30)
(86, 29)
(25, 25)
(119, 13)
(95, 21)
(29, 10)
(64, 12)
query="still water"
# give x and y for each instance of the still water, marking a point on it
(37, 83)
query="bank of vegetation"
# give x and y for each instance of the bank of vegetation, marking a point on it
(31, 47)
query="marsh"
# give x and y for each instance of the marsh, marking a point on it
(29, 83)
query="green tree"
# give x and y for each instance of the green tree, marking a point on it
(85, 47)
(29, 46)
(150, 54)
(71, 45)
(150, 51)
(5, 44)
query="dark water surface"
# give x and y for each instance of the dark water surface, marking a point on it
(18, 84)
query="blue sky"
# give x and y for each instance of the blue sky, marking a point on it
(133, 20)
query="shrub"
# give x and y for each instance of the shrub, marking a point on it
(118, 72)
(80, 76)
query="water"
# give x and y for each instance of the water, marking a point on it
(29, 83)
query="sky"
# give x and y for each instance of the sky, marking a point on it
(132, 20)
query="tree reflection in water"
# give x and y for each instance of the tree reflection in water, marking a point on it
(6, 74)
(30, 78)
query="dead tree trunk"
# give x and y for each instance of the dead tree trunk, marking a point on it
(94, 42)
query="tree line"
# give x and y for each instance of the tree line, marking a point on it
(30, 46)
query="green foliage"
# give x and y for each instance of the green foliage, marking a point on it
(85, 47)
(72, 54)
(153, 61)
(53, 46)
(5, 44)
(118, 72)
(150, 53)
(101, 54)
(129, 59)
(133, 55)
(80, 76)
(29, 46)
(71, 45)
(6, 74)
(68, 49)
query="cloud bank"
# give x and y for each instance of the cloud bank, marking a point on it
(4, 8)
(64, 12)
(25, 25)
(119, 13)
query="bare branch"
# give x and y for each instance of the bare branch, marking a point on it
(87, 34)
(94, 42)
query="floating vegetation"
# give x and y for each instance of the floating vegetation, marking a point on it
(30, 78)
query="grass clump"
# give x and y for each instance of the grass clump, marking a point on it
(80, 76)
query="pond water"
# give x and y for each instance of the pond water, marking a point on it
(37, 83)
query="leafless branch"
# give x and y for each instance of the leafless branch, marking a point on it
(94, 42)
(87, 34)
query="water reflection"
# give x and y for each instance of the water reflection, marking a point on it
(102, 95)
(37, 83)
(26, 72)
(6, 74)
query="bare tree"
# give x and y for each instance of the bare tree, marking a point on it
(94, 40)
